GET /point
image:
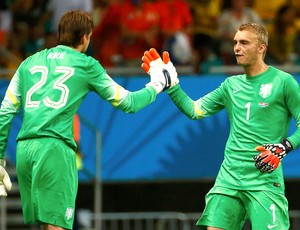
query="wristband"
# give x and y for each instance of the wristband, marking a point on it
(288, 146)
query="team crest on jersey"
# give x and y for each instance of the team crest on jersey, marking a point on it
(265, 90)
(69, 213)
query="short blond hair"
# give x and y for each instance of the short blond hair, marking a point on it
(258, 29)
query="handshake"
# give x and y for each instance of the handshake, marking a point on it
(162, 72)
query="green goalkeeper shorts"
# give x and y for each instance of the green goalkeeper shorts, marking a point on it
(229, 209)
(48, 181)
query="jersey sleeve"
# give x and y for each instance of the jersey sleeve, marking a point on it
(119, 97)
(10, 106)
(205, 106)
(292, 99)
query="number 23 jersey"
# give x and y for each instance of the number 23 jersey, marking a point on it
(50, 86)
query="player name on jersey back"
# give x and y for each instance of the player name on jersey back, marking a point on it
(56, 55)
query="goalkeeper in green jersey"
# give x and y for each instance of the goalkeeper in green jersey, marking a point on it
(260, 104)
(49, 87)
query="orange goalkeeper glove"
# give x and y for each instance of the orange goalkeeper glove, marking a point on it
(162, 71)
(271, 155)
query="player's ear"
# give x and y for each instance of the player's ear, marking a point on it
(84, 39)
(262, 48)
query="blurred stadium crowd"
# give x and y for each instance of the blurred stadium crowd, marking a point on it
(197, 33)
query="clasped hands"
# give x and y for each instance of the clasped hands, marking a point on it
(162, 72)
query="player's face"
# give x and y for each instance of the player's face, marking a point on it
(247, 49)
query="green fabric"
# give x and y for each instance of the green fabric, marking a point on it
(48, 181)
(50, 86)
(259, 109)
(229, 209)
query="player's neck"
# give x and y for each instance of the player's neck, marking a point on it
(78, 48)
(256, 69)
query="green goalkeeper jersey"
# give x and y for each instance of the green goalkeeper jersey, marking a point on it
(260, 109)
(50, 85)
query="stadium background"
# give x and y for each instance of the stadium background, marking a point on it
(157, 159)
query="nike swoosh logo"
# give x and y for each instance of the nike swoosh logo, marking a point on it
(236, 90)
(272, 226)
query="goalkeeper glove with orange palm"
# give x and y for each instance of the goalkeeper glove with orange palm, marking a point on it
(271, 154)
(162, 71)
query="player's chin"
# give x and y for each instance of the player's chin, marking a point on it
(239, 60)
